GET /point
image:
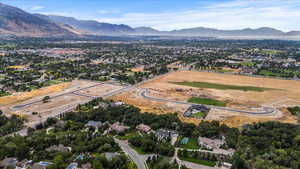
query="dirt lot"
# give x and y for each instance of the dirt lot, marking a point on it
(23, 96)
(99, 91)
(65, 99)
(286, 93)
(285, 89)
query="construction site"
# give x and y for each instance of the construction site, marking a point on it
(256, 99)
(62, 98)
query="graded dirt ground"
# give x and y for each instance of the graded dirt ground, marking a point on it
(23, 96)
(65, 99)
(283, 89)
(285, 93)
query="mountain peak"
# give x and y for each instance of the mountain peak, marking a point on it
(20, 23)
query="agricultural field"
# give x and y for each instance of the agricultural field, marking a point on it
(236, 92)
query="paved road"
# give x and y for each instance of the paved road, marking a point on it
(189, 164)
(196, 166)
(76, 92)
(72, 92)
(266, 110)
(133, 155)
(114, 92)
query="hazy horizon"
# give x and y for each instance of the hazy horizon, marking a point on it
(170, 15)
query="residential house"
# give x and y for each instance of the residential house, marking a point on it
(72, 166)
(194, 109)
(59, 148)
(210, 143)
(95, 124)
(163, 134)
(116, 104)
(143, 128)
(101, 104)
(118, 127)
(9, 162)
(41, 165)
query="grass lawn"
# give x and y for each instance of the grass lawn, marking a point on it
(200, 115)
(137, 149)
(207, 101)
(247, 64)
(221, 86)
(192, 144)
(198, 161)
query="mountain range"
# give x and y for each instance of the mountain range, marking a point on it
(16, 22)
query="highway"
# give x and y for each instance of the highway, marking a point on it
(266, 110)
(133, 155)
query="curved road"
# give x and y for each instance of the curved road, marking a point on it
(266, 110)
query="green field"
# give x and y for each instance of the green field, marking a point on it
(247, 64)
(200, 115)
(207, 101)
(192, 144)
(221, 86)
(198, 161)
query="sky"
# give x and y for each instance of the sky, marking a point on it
(175, 14)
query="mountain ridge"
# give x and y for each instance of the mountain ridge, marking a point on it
(16, 22)
(90, 26)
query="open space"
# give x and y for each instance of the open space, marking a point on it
(198, 161)
(207, 101)
(191, 143)
(63, 97)
(202, 85)
(250, 94)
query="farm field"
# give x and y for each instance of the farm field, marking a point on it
(248, 94)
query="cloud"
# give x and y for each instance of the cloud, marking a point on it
(234, 14)
(36, 8)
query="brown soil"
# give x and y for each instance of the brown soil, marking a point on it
(286, 91)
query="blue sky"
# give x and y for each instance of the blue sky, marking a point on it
(175, 14)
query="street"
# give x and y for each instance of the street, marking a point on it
(133, 155)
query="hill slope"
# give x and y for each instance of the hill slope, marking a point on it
(14, 21)
(89, 26)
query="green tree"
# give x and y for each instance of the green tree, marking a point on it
(46, 99)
